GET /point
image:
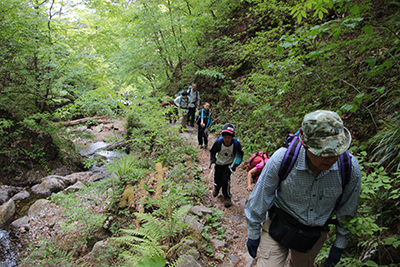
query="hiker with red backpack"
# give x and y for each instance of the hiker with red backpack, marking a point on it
(310, 179)
(226, 153)
(254, 167)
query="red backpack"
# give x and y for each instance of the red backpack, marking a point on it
(255, 159)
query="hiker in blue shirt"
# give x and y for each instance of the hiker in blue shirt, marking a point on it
(204, 122)
(230, 155)
(194, 103)
(301, 206)
(182, 102)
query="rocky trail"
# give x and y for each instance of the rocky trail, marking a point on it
(234, 218)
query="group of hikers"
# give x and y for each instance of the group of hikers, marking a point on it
(309, 183)
(188, 103)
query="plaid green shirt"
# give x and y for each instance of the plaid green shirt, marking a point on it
(309, 198)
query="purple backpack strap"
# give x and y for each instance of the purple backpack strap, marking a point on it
(345, 167)
(294, 145)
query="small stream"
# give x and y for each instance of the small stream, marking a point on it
(9, 243)
(9, 248)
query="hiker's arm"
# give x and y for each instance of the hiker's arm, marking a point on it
(201, 118)
(348, 204)
(250, 177)
(263, 196)
(198, 99)
(176, 101)
(213, 152)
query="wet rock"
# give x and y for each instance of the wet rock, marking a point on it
(6, 192)
(3, 196)
(21, 195)
(7, 211)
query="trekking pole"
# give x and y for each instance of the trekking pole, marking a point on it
(212, 171)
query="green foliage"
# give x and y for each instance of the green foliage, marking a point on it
(147, 242)
(387, 143)
(378, 210)
(129, 168)
(81, 207)
(213, 226)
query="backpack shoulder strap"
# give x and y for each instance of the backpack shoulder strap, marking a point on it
(219, 143)
(345, 172)
(345, 168)
(290, 158)
(235, 144)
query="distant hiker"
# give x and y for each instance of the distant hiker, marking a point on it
(229, 157)
(194, 96)
(182, 102)
(301, 194)
(204, 122)
(254, 167)
(171, 112)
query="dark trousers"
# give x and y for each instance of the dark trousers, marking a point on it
(201, 135)
(191, 116)
(222, 178)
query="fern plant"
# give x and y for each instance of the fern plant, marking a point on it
(152, 241)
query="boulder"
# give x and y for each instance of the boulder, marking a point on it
(7, 211)
(200, 210)
(98, 257)
(21, 195)
(50, 184)
(37, 207)
(75, 187)
(21, 222)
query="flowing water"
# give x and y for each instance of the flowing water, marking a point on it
(8, 249)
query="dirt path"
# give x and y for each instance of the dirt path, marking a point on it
(234, 218)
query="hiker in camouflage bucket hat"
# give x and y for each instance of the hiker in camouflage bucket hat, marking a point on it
(324, 135)
(301, 186)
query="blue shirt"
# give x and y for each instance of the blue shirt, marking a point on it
(205, 114)
(309, 198)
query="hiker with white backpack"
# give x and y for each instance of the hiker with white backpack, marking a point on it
(194, 103)
(304, 184)
(182, 101)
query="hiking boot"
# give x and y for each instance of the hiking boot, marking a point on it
(201, 146)
(215, 192)
(227, 202)
(205, 146)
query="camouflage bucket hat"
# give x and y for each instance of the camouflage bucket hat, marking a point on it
(324, 135)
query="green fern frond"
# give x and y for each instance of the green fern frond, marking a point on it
(181, 258)
(179, 244)
(152, 225)
(175, 224)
